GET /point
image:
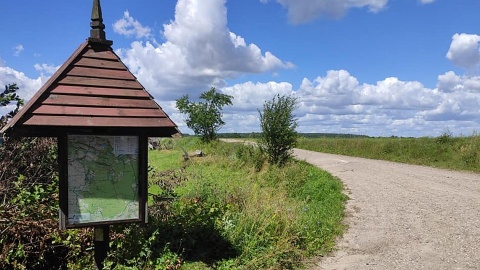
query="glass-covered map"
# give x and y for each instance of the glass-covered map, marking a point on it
(102, 178)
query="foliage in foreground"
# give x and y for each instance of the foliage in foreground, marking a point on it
(444, 151)
(225, 211)
(29, 233)
(205, 118)
(278, 126)
(228, 210)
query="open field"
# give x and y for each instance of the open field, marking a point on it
(455, 153)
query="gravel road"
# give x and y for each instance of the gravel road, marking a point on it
(403, 216)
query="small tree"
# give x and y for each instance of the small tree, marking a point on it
(278, 124)
(205, 118)
(6, 98)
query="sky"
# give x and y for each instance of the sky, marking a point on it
(406, 68)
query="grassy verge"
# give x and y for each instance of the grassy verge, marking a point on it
(231, 210)
(456, 153)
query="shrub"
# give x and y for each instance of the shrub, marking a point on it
(29, 234)
(30, 237)
(278, 128)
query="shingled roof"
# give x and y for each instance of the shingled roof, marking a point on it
(92, 91)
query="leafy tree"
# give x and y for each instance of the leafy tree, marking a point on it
(6, 98)
(278, 124)
(205, 118)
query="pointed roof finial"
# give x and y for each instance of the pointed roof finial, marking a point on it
(97, 33)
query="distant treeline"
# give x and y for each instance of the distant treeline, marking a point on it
(255, 135)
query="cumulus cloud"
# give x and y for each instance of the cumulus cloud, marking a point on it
(339, 91)
(27, 86)
(46, 69)
(451, 82)
(17, 50)
(339, 103)
(199, 51)
(304, 11)
(464, 52)
(460, 98)
(130, 27)
(250, 96)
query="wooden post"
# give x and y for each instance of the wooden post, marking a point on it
(101, 245)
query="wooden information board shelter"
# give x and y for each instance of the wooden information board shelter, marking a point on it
(102, 117)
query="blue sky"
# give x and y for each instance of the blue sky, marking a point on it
(373, 67)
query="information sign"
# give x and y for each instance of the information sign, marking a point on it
(103, 183)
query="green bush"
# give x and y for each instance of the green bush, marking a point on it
(278, 125)
(30, 236)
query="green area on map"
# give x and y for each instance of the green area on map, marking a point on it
(102, 178)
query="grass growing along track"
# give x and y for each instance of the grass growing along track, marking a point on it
(261, 216)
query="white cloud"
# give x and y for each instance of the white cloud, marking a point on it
(130, 27)
(199, 52)
(17, 50)
(27, 86)
(250, 96)
(338, 103)
(304, 11)
(464, 52)
(460, 98)
(451, 82)
(340, 92)
(46, 69)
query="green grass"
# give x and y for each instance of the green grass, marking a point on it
(165, 160)
(455, 153)
(231, 210)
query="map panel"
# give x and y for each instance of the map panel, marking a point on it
(102, 178)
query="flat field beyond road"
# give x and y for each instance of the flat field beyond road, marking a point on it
(403, 216)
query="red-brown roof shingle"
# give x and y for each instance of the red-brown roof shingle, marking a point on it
(92, 90)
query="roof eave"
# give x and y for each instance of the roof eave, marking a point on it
(9, 128)
(56, 131)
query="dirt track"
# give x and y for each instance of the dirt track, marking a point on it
(402, 216)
